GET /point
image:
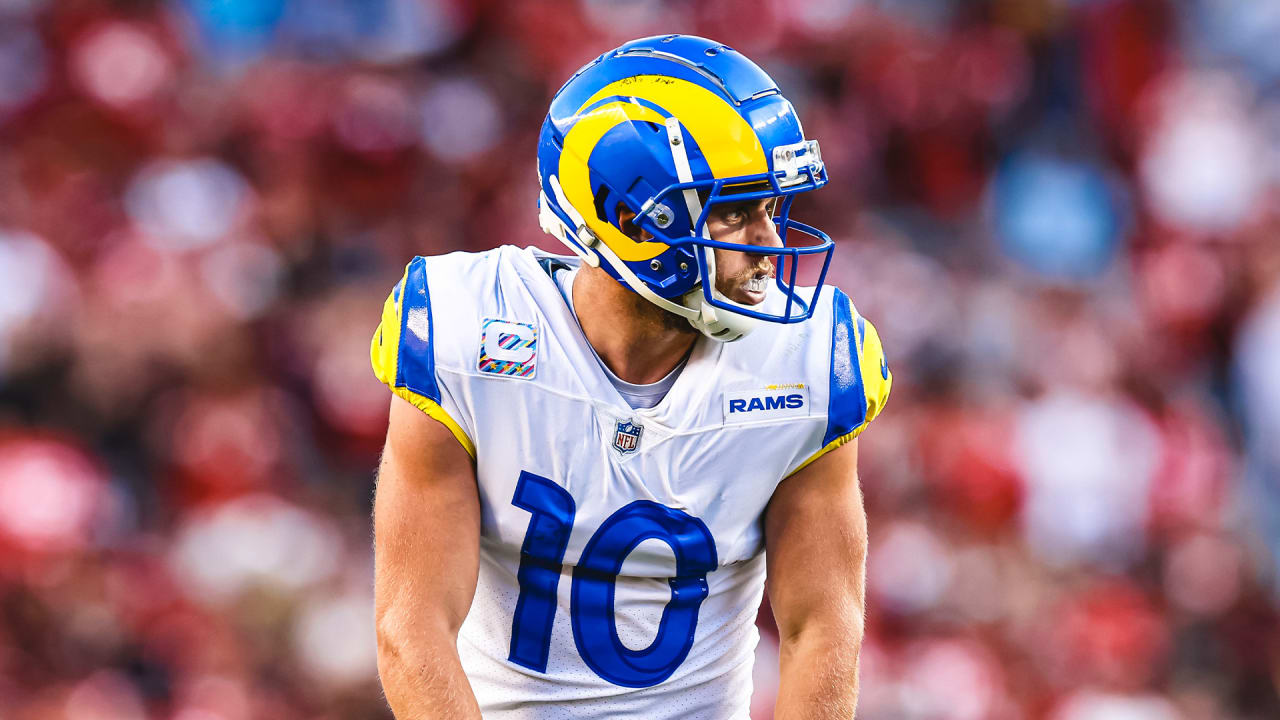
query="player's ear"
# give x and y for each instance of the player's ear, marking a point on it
(626, 222)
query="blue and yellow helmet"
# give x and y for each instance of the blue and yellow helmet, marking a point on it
(668, 126)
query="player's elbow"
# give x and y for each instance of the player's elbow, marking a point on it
(396, 672)
(405, 632)
(389, 641)
(391, 665)
(836, 623)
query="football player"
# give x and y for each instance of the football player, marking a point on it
(594, 460)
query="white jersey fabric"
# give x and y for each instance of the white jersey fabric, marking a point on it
(621, 551)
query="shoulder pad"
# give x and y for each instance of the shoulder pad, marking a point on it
(860, 377)
(403, 355)
(401, 352)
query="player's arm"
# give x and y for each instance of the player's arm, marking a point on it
(426, 558)
(816, 549)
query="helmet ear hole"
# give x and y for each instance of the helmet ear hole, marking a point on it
(626, 223)
(616, 213)
(602, 206)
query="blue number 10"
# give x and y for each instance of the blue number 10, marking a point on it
(595, 630)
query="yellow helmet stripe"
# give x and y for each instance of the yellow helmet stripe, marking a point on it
(575, 176)
(726, 140)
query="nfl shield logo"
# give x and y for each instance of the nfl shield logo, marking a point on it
(627, 439)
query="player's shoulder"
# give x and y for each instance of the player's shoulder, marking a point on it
(835, 359)
(439, 310)
(473, 283)
(468, 278)
(455, 316)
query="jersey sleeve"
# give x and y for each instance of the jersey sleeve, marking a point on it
(403, 353)
(859, 377)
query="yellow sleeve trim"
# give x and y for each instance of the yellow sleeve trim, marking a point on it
(435, 412)
(843, 439)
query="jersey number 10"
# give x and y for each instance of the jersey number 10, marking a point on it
(591, 600)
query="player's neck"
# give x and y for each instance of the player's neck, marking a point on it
(637, 340)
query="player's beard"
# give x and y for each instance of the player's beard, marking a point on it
(660, 319)
(677, 323)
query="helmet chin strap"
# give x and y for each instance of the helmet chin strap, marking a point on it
(556, 228)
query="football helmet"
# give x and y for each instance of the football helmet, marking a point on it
(669, 126)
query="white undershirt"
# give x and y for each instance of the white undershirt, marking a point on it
(637, 396)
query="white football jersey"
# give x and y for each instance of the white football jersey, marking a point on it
(621, 551)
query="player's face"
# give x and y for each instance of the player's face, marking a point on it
(744, 277)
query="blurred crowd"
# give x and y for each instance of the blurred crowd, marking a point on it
(1062, 215)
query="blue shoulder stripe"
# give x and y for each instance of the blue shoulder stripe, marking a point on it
(416, 363)
(847, 403)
